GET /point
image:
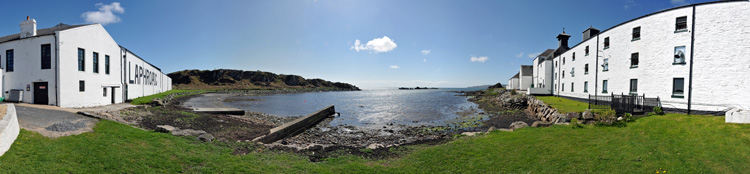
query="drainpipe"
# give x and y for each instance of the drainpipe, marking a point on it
(596, 72)
(692, 47)
(57, 69)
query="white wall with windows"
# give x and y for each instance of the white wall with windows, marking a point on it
(21, 61)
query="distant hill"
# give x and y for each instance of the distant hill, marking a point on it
(238, 79)
(479, 86)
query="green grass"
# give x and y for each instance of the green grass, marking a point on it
(675, 143)
(564, 105)
(147, 99)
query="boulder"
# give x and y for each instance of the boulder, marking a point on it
(188, 132)
(573, 115)
(206, 137)
(587, 115)
(518, 125)
(375, 146)
(165, 128)
(541, 124)
(471, 133)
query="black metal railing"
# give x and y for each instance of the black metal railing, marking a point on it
(624, 103)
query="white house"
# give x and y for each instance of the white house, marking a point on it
(695, 58)
(74, 66)
(525, 77)
(542, 75)
(513, 82)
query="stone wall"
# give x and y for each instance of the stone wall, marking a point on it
(539, 110)
(9, 129)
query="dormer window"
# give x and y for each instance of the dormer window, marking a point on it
(636, 33)
(681, 24)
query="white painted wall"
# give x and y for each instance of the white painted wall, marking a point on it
(524, 83)
(27, 67)
(92, 38)
(721, 68)
(513, 83)
(9, 129)
(143, 79)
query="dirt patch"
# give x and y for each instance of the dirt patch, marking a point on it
(3, 109)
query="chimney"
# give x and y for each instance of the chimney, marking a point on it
(590, 32)
(562, 40)
(28, 28)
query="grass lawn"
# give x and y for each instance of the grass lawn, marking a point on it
(564, 105)
(673, 142)
(147, 99)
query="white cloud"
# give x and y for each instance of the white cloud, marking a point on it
(377, 45)
(519, 55)
(105, 15)
(679, 2)
(424, 60)
(479, 59)
(394, 66)
(629, 4)
(426, 52)
(533, 55)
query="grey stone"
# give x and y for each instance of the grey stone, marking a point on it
(165, 128)
(518, 125)
(206, 137)
(573, 115)
(541, 124)
(188, 132)
(491, 129)
(587, 115)
(375, 146)
(470, 133)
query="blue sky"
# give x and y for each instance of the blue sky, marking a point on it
(469, 42)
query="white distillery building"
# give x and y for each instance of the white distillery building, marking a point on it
(695, 58)
(73, 66)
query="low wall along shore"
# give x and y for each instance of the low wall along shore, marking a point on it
(9, 128)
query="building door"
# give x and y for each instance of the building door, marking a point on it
(113, 95)
(40, 93)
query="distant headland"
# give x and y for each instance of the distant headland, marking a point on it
(405, 88)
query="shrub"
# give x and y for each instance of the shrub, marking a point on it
(627, 117)
(575, 124)
(606, 117)
(512, 92)
(658, 111)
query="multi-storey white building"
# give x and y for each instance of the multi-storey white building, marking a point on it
(74, 66)
(693, 57)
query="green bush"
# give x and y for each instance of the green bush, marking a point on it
(658, 111)
(512, 92)
(606, 117)
(574, 123)
(627, 117)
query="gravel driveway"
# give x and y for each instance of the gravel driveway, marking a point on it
(51, 122)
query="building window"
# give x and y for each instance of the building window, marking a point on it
(572, 87)
(562, 87)
(604, 86)
(574, 56)
(81, 86)
(586, 86)
(586, 69)
(606, 43)
(681, 24)
(46, 56)
(9, 60)
(104, 91)
(587, 50)
(96, 62)
(605, 65)
(678, 87)
(633, 86)
(636, 33)
(634, 60)
(563, 74)
(106, 64)
(81, 59)
(679, 55)
(563, 60)
(572, 72)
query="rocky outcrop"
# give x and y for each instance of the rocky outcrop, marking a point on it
(541, 111)
(238, 79)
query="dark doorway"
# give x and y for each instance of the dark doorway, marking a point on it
(113, 95)
(40, 93)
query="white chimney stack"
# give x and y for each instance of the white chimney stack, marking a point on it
(28, 28)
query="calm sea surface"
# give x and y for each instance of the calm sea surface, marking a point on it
(366, 108)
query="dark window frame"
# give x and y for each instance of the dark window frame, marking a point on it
(572, 87)
(682, 60)
(81, 86)
(675, 92)
(633, 86)
(606, 43)
(636, 33)
(585, 86)
(10, 60)
(81, 59)
(586, 50)
(95, 62)
(634, 60)
(104, 91)
(586, 69)
(46, 56)
(604, 86)
(106, 64)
